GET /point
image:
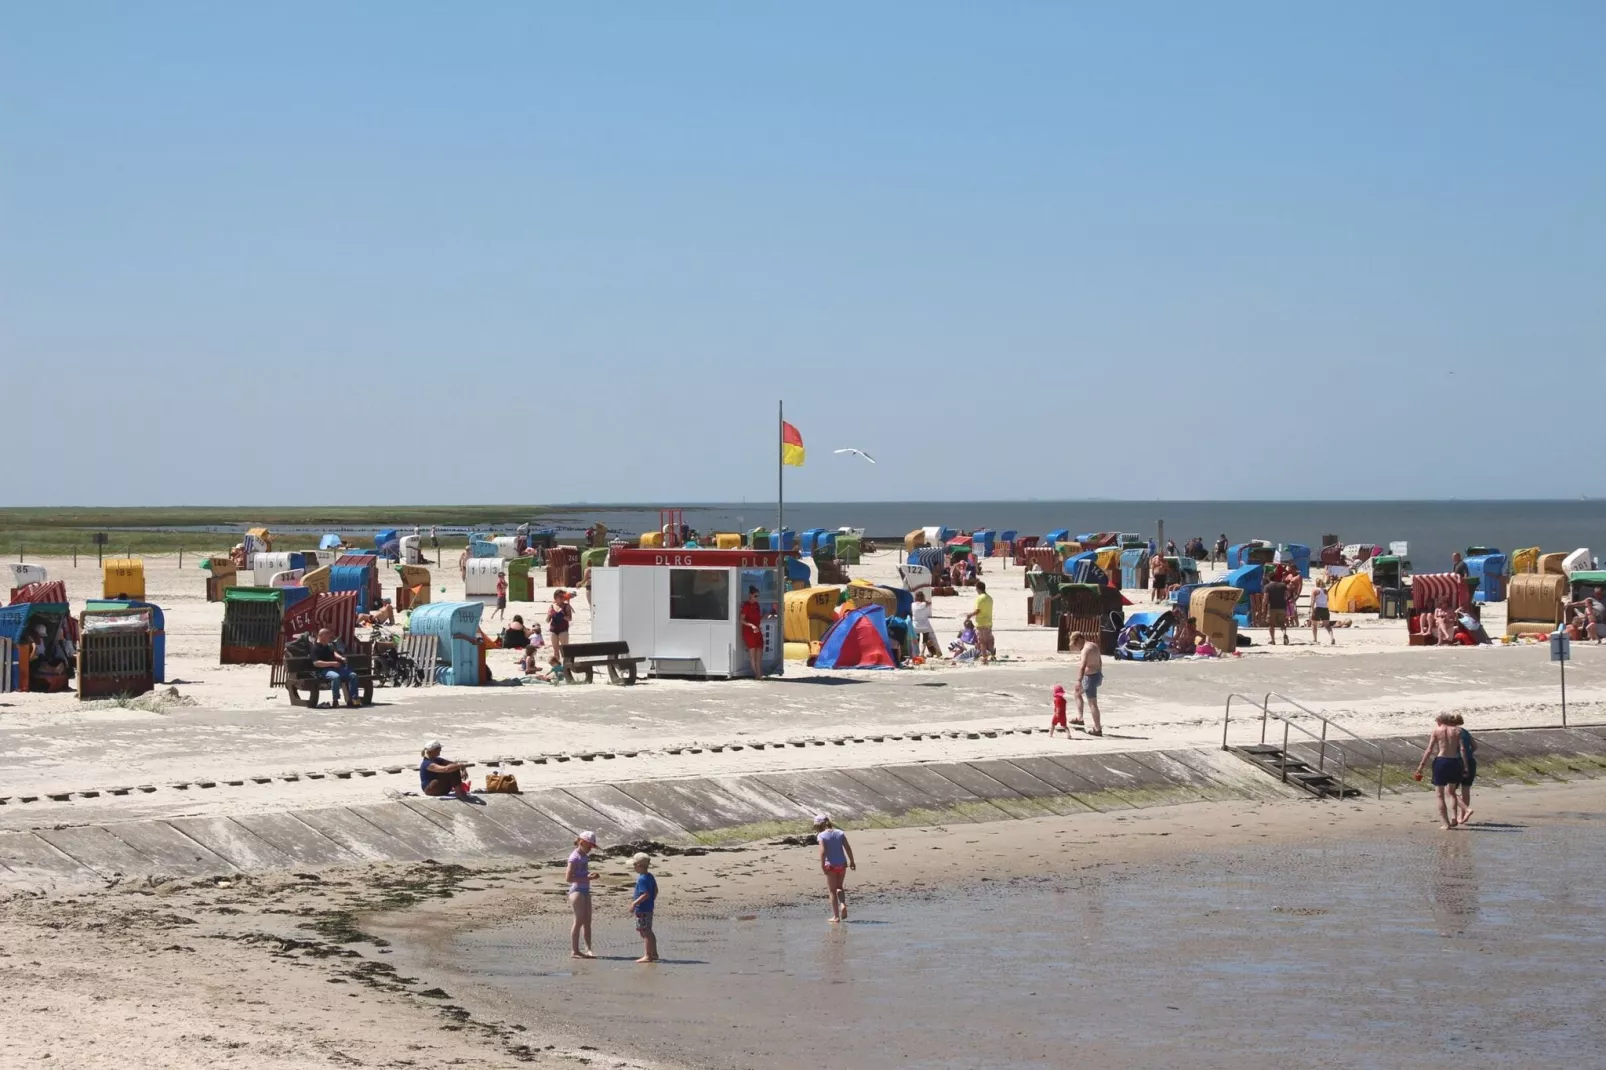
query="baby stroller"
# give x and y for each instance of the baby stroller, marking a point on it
(1147, 637)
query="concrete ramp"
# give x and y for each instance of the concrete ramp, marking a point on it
(469, 831)
(536, 834)
(574, 816)
(994, 792)
(1226, 770)
(625, 812)
(831, 792)
(1054, 795)
(1063, 780)
(298, 841)
(424, 838)
(33, 864)
(750, 791)
(358, 836)
(938, 792)
(697, 804)
(172, 853)
(240, 848)
(94, 848)
(1168, 770)
(904, 804)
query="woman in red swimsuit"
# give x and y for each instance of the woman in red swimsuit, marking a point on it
(753, 632)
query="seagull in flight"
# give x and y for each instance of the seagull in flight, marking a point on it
(859, 453)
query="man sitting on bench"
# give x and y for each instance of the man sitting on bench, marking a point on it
(330, 664)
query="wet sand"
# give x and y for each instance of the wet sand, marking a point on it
(1353, 936)
(1288, 933)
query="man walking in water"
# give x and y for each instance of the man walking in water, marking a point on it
(1448, 751)
(1090, 674)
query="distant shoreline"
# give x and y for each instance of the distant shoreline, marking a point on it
(1432, 528)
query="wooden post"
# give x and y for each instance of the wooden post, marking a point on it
(75, 555)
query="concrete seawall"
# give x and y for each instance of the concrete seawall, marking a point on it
(541, 824)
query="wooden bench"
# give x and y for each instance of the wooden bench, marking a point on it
(585, 657)
(297, 676)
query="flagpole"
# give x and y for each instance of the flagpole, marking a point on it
(780, 526)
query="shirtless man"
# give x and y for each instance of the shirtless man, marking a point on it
(1090, 674)
(1448, 751)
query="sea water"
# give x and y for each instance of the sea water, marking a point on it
(1432, 529)
(1479, 948)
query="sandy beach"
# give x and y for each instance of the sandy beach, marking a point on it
(635, 297)
(226, 724)
(380, 966)
(281, 968)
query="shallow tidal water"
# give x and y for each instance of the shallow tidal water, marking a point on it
(1485, 947)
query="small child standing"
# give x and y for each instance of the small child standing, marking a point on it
(642, 906)
(1059, 720)
(579, 877)
(501, 595)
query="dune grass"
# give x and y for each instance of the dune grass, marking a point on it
(54, 531)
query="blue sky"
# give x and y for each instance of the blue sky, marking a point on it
(516, 252)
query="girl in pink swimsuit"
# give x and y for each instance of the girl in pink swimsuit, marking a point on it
(836, 858)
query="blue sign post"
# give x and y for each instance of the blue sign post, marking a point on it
(1561, 652)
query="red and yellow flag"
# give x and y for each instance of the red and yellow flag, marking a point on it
(791, 445)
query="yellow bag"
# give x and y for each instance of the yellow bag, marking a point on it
(501, 784)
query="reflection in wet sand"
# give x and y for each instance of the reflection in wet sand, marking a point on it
(1454, 883)
(1242, 959)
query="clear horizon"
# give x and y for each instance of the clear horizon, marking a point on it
(656, 504)
(1232, 252)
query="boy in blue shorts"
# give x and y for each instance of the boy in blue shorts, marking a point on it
(641, 906)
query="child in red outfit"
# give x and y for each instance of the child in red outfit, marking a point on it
(1059, 712)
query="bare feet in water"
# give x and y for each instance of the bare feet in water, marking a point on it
(586, 954)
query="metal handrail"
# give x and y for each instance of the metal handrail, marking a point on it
(1282, 761)
(1228, 718)
(1321, 757)
(1266, 714)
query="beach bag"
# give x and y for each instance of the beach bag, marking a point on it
(501, 784)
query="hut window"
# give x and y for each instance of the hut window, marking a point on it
(699, 594)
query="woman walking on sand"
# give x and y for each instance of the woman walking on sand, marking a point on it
(1321, 615)
(1469, 771)
(836, 858)
(579, 877)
